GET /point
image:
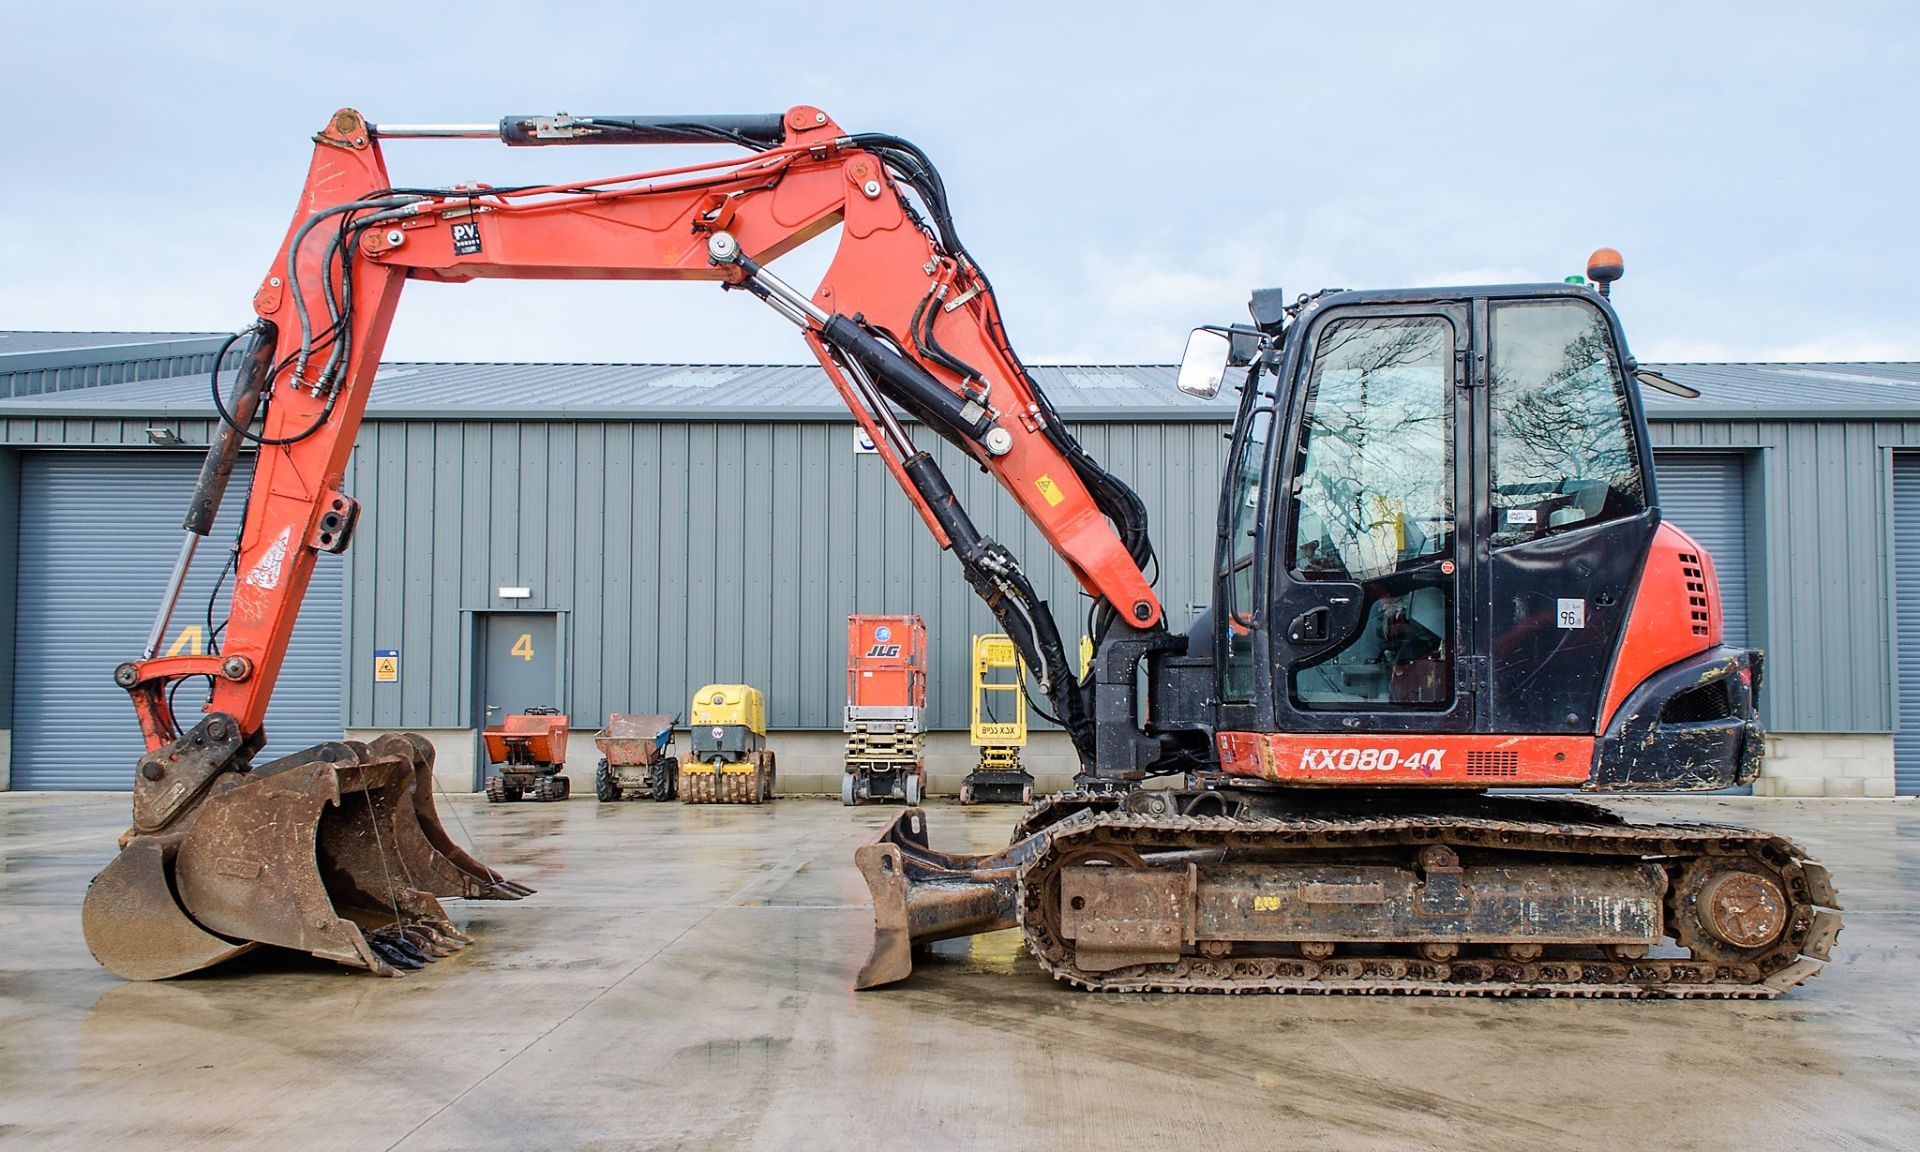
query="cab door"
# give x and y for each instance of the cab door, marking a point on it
(1372, 574)
(1567, 513)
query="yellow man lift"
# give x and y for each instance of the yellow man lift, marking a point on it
(999, 727)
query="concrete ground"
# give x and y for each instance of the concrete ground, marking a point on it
(682, 980)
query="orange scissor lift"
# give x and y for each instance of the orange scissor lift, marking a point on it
(886, 716)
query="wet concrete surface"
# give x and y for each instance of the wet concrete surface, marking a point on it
(683, 977)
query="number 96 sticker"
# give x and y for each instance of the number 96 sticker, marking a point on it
(1423, 760)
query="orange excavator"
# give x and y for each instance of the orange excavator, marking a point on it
(1442, 572)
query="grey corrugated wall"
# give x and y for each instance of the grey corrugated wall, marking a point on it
(1818, 588)
(688, 553)
(9, 575)
(1906, 550)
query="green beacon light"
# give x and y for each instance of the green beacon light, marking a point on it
(1576, 280)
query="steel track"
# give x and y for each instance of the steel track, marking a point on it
(1812, 920)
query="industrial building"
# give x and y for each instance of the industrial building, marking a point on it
(648, 528)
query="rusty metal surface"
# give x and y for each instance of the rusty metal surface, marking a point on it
(432, 860)
(1682, 852)
(1553, 903)
(920, 895)
(169, 779)
(1744, 909)
(1053, 808)
(336, 852)
(136, 930)
(632, 740)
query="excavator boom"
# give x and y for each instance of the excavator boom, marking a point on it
(904, 322)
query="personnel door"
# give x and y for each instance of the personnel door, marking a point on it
(1370, 571)
(519, 665)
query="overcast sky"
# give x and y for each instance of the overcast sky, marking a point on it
(1124, 171)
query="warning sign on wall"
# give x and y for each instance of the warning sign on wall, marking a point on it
(386, 665)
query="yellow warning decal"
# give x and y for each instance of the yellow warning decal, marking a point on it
(1266, 903)
(1050, 490)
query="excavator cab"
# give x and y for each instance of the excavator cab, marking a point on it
(1439, 521)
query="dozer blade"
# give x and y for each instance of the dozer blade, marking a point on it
(920, 895)
(332, 851)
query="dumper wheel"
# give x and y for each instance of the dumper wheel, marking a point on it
(847, 795)
(496, 790)
(604, 785)
(660, 778)
(566, 787)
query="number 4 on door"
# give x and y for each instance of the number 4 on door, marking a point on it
(523, 647)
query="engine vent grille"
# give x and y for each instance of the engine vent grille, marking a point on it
(1696, 577)
(1708, 702)
(1493, 765)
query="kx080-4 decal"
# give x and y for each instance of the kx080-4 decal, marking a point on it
(1422, 760)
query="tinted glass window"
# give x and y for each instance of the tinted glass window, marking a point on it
(1249, 464)
(1563, 448)
(1374, 491)
(1373, 503)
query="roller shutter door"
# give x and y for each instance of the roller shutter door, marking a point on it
(98, 535)
(1906, 615)
(1705, 495)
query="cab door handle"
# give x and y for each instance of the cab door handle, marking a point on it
(1310, 627)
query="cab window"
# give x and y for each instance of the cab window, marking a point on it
(1250, 459)
(1373, 492)
(1372, 503)
(1562, 436)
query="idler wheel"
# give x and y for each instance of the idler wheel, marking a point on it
(1728, 909)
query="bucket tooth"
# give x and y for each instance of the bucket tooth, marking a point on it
(920, 895)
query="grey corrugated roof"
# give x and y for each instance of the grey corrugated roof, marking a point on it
(641, 391)
(13, 343)
(34, 351)
(1809, 391)
(1856, 391)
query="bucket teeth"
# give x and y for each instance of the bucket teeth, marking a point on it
(336, 851)
(395, 949)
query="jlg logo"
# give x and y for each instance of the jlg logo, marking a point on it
(886, 650)
(1425, 761)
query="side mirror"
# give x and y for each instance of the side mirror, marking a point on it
(1205, 364)
(1652, 379)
